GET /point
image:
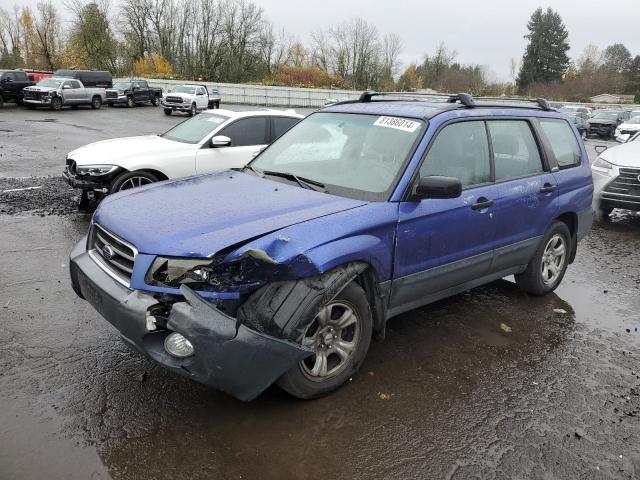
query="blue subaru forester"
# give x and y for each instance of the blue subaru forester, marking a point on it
(284, 271)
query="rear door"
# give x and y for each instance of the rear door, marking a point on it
(248, 136)
(525, 198)
(442, 243)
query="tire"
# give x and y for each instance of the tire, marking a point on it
(96, 103)
(154, 101)
(309, 379)
(604, 210)
(534, 279)
(217, 104)
(193, 110)
(1, 102)
(130, 102)
(56, 103)
(128, 180)
(167, 111)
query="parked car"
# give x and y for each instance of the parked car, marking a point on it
(582, 112)
(627, 129)
(57, 92)
(616, 177)
(132, 93)
(89, 78)
(581, 125)
(12, 83)
(283, 271)
(209, 142)
(604, 122)
(190, 99)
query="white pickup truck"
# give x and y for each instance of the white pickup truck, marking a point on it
(190, 98)
(56, 92)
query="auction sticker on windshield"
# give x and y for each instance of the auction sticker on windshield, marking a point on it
(398, 123)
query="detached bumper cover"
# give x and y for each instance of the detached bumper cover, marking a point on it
(228, 356)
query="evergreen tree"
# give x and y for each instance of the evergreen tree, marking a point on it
(545, 58)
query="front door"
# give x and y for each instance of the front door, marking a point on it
(248, 136)
(442, 243)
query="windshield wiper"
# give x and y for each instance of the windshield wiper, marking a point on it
(303, 182)
(254, 170)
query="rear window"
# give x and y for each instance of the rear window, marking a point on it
(563, 142)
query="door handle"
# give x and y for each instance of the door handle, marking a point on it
(548, 188)
(482, 203)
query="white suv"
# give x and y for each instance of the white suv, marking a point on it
(213, 141)
(186, 98)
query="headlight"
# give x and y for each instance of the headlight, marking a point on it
(120, 92)
(603, 166)
(618, 132)
(209, 274)
(95, 170)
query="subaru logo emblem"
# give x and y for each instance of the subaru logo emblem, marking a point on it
(107, 251)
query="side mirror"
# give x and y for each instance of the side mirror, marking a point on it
(600, 149)
(438, 187)
(220, 141)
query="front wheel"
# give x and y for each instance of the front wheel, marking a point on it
(193, 110)
(56, 103)
(96, 102)
(130, 102)
(129, 180)
(339, 335)
(549, 264)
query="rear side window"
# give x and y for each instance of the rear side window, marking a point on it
(563, 142)
(460, 150)
(247, 131)
(282, 124)
(515, 150)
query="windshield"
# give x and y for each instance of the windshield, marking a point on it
(50, 82)
(196, 128)
(122, 85)
(634, 120)
(353, 155)
(184, 89)
(606, 115)
(634, 138)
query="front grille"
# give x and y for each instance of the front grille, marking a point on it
(71, 166)
(31, 95)
(112, 94)
(627, 184)
(173, 100)
(115, 254)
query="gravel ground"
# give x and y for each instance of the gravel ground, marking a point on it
(38, 196)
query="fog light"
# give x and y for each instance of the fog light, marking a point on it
(178, 346)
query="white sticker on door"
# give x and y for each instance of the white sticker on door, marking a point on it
(398, 123)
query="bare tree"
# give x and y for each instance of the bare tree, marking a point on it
(47, 29)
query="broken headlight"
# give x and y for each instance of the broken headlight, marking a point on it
(95, 170)
(201, 274)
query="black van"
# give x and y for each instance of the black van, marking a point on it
(89, 78)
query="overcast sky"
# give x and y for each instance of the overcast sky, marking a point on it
(488, 32)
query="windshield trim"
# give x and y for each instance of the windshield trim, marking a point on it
(340, 191)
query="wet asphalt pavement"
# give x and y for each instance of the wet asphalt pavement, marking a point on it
(491, 383)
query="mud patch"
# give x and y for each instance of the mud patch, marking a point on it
(51, 197)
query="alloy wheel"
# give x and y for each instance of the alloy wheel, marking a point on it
(134, 182)
(333, 335)
(553, 259)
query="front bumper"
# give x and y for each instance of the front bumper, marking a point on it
(228, 356)
(119, 100)
(606, 196)
(177, 107)
(601, 129)
(41, 101)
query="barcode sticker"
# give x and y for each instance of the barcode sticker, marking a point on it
(398, 123)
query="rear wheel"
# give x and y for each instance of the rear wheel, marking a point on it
(167, 111)
(549, 264)
(339, 335)
(217, 104)
(154, 101)
(1, 101)
(96, 102)
(129, 180)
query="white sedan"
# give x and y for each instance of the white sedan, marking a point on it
(212, 141)
(616, 177)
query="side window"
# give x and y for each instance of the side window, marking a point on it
(515, 151)
(142, 84)
(247, 131)
(200, 91)
(20, 76)
(74, 84)
(460, 150)
(281, 125)
(563, 142)
(9, 76)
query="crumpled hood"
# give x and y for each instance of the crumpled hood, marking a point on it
(119, 149)
(626, 155)
(629, 126)
(199, 216)
(601, 121)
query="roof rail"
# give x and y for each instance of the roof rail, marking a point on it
(464, 98)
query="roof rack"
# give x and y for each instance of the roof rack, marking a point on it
(464, 99)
